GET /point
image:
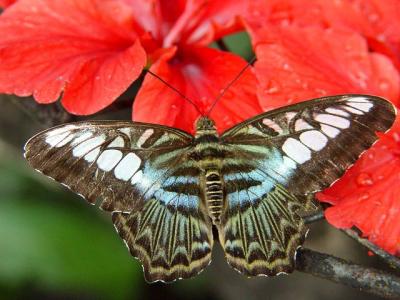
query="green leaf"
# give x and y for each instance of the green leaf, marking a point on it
(54, 241)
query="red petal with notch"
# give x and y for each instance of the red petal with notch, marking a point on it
(376, 20)
(200, 74)
(6, 3)
(77, 46)
(368, 195)
(188, 21)
(295, 64)
(157, 16)
(213, 20)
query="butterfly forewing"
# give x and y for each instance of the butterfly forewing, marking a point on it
(142, 174)
(307, 146)
(282, 156)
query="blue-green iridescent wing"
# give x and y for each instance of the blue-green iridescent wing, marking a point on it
(138, 172)
(281, 158)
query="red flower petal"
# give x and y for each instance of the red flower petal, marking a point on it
(188, 21)
(86, 47)
(157, 16)
(5, 3)
(367, 196)
(215, 19)
(295, 64)
(376, 20)
(199, 73)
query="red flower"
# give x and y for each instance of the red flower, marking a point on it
(197, 71)
(295, 64)
(87, 50)
(375, 20)
(6, 3)
(368, 195)
(308, 49)
(92, 50)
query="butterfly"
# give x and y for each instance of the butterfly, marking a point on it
(166, 189)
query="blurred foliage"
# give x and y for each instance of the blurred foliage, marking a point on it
(51, 243)
(238, 43)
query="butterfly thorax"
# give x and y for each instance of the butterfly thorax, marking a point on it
(208, 154)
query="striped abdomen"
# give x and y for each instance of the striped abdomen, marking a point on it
(214, 194)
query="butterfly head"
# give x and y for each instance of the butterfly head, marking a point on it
(205, 127)
(205, 124)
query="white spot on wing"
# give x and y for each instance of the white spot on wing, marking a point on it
(108, 159)
(126, 131)
(302, 125)
(127, 166)
(137, 177)
(145, 136)
(290, 115)
(88, 145)
(329, 130)
(118, 142)
(92, 155)
(336, 111)
(314, 139)
(272, 124)
(82, 137)
(61, 130)
(296, 150)
(60, 140)
(333, 120)
(364, 106)
(352, 110)
(288, 162)
(360, 99)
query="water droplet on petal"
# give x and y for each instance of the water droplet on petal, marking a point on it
(363, 196)
(384, 85)
(272, 90)
(286, 66)
(373, 18)
(364, 179)
(321, 92)
(228, 95)
(370, 155)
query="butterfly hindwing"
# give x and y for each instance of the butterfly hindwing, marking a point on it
(172, 242)
(260, 237)
(281, 158)
(142, 174)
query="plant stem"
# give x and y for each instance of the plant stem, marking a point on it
(338, 270)
(387, 257)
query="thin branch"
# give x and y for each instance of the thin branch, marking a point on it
(319, 215)
(387, 257)
(46, 115)
(338, 270)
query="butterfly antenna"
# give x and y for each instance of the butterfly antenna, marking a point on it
(175, 90)
(225, 89)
